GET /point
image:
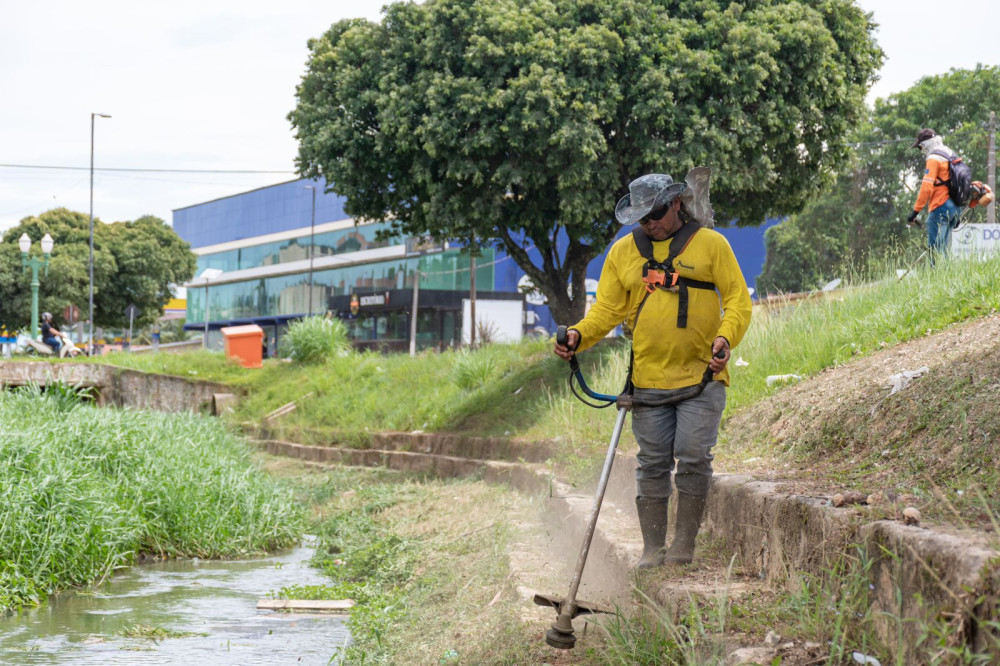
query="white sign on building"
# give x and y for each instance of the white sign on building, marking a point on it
(976, 240)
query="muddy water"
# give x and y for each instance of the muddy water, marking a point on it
(216, 601)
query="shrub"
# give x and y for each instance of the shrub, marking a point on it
(315, 339)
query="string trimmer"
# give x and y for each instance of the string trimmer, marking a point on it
(560, 635)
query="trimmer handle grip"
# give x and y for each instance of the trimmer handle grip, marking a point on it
(562, 338)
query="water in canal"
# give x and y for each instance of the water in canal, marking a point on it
(213, 600)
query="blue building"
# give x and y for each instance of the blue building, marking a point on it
(255, 266)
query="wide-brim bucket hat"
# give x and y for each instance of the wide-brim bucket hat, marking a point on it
(645, 194)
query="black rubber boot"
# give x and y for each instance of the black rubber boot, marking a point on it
(689, 511)
(653, 524)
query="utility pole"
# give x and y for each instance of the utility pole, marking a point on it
(413, 312)
(472, 294)
(312, 244)
(991, 168)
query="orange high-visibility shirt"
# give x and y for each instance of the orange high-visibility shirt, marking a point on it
(936, 170)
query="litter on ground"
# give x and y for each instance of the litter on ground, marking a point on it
(781, 379)
(901, 380)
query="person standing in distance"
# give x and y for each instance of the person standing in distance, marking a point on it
(943, 215)
(676, 332)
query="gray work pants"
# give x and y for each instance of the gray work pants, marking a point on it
(686, 431)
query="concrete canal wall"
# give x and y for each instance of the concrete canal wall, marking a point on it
(119, 387)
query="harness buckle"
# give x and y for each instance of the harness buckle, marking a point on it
(656, 275)
(653, 276)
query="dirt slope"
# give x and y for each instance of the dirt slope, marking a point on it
(934, 443)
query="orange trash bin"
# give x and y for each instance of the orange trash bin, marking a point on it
(245, 344)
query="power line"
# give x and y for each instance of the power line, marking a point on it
(886, 142)
(75, 168)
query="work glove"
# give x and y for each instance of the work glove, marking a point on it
(912, 217)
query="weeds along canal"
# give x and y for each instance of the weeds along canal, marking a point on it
(185, 611)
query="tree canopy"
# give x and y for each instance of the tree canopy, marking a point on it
(516, 121)
(862, 215)
(134, 262)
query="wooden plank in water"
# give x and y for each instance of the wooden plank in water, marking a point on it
(306, 605)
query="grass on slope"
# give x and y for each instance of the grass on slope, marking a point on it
(806, 338)
(84, 490)
(521, 389)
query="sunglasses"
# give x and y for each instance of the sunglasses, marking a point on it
(656, 214)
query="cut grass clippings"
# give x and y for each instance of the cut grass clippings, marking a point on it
(84, 490)
(426, 561)
(156, 634)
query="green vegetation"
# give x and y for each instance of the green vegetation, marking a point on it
(826, 618)
(880, 311)
(196, 365)
(134, 263)
(862, 214)
(84, 490)
(832, 612)
(315, 339)
(522, 390)
(517, 122)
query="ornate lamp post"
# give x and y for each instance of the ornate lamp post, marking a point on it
(34, 263)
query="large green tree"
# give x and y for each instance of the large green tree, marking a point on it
(516, 121)
(134, 262)
(861, 216)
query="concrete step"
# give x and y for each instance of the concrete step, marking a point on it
(524, 477)
(445, 444)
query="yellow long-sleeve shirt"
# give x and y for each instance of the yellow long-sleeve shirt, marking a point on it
(667, 357)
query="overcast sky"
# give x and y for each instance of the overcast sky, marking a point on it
(208, 85)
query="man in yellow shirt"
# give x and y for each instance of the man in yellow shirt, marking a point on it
(676, 332)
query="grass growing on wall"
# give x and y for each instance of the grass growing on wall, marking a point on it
(84, 490)
(196, 365)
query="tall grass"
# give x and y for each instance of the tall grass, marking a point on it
(371, 392)
(83, 491)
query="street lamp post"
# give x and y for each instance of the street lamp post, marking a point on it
(312, 245)
(90, 343)
(34, 263)
(207, 275)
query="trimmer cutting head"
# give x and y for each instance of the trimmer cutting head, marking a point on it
(561, 635)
